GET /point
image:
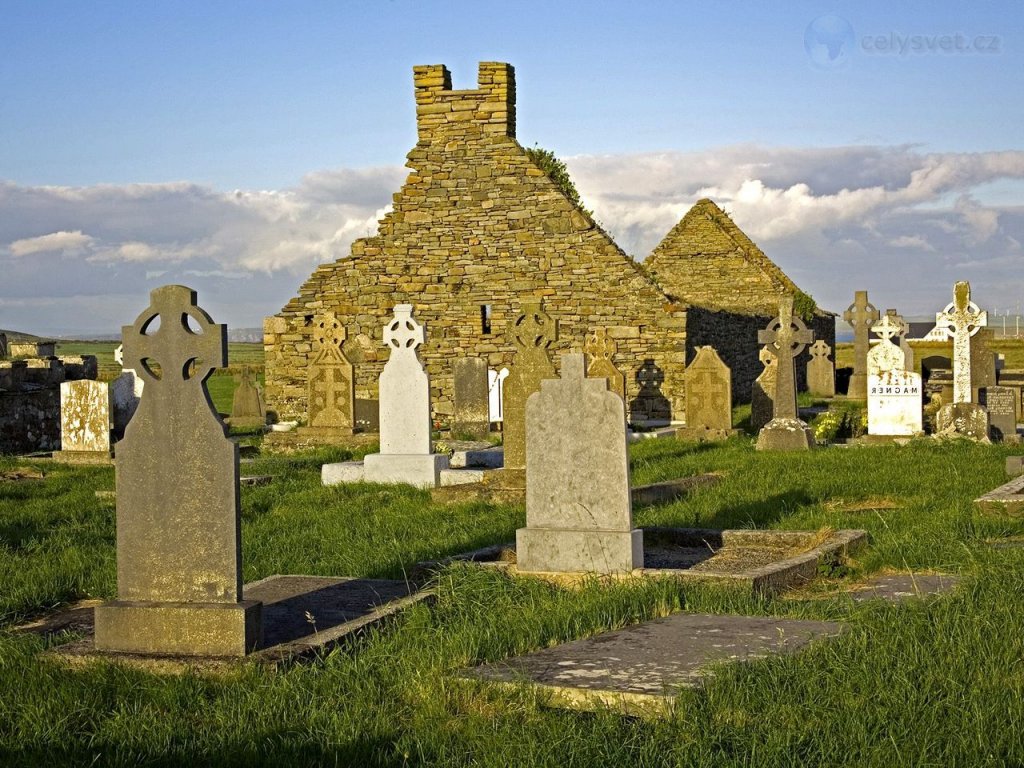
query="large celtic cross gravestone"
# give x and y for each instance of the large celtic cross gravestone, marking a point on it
(404, 385)
(821, 372)
(179, 569)
(531, 334)
(331, 407)
(861, 315)
(962, 319)
(786, 336)
(600, 348)
(578, 505)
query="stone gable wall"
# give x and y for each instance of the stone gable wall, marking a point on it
(476, 224)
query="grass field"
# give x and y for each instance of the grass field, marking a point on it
(930, 683)
(1013, 349)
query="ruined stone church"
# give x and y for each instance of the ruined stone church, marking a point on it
(478, 227)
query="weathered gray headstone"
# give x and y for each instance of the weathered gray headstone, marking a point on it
(533, 332)
(578, 508)
(600, 348)
(983, 361)
(1000, 402)
(405, 455)
(786, 336)
(962, 319)
(708, 398)
(179, 569)
(247, 407)
(821, 371)
(861, 315)
(84, 422)
(762, 392)
(470, 401)
(331, 408)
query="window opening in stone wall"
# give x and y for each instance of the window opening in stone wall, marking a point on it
(485, 319)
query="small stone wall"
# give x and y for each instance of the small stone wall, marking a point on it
(30, 421)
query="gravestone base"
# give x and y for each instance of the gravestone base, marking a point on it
(420, 470)
(179, 629)
(702, 434)
(471, 430)
(83, 457)
(968, 420)
(324, 433)
(785, 435)
(554, 550)
(245, 422)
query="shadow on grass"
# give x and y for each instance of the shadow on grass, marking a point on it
(759, 514)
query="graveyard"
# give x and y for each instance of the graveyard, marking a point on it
(657, 400)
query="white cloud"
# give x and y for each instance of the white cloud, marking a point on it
(51, 243)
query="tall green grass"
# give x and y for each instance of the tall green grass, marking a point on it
(935, 682)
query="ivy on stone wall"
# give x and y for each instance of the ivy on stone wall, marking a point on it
(546, 160)
(804, 306)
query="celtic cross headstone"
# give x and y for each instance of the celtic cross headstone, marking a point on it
(861, 315)
(786, 336)
(821, 372)
(708, 398)
(533, 332)
(962, 319)
(179, 565)
(331, 393)
(600, 348)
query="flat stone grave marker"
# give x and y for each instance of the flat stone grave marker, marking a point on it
(962, 319)
(821, 371)
(331, 407)
(600, 348)
(708, 398)
(642, 668)
(762, 392)
(179, 570)
(247, 407)
(471, 402)
(786, 336)
(861, 315)
(532, 333)
(1007, 499)
(85, 421)
(579, 514)
(903, 586)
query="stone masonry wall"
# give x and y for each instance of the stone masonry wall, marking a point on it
(29, 421)
(476, 227)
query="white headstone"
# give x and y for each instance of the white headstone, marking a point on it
(885, 355)
(495, 391)
(404, 385)
(578, 506)
(125, 393)
(894, 402)
(84, 419)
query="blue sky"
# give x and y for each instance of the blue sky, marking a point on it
(232, 146)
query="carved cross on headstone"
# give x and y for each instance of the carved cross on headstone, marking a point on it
(331, 394)
(329, 334)
(403, 332)
(901, 338)
(886, 355)
(599, 349)
(861, 315)
(786, 336)
(821, 374)
(533, 329)
(960, 320)
(819, 349)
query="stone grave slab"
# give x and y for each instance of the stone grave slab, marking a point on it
(85, 422)
(821, 371)
(641, 668)
(471, 398)
(708, 398)
(1015, 466)
(302, 616)
(903, 586)
(179, 583)
(1007, 499)
(578, 507)
(600, 348)
(764, 561)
